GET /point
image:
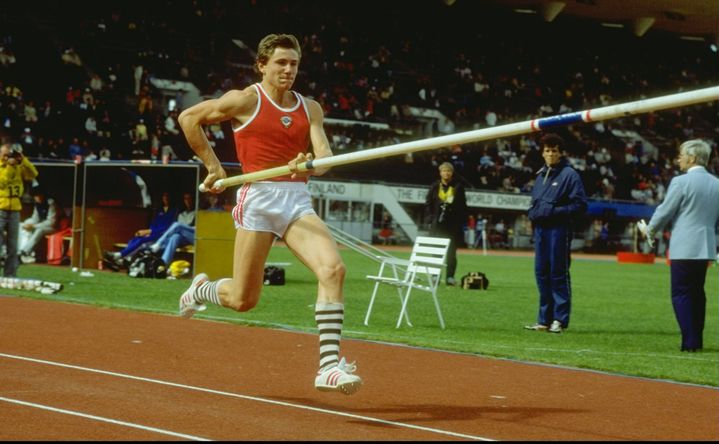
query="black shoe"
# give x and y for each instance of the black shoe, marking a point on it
(110, 265)
(110, 262)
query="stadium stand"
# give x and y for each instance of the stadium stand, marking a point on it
(106, 79)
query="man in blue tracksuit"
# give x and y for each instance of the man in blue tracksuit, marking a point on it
(557, 199)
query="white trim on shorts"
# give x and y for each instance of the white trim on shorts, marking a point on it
(271, 206)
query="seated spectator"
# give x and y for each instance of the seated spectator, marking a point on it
(42, 222)
(180, 233)
(105, 154)
(168, 153)
(143, 238)
(213, 202)
(75, 150)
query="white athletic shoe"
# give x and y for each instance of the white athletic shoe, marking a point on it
(188, 305)
(339, 379)
(556, 327)
(536, 327)
(27, 258)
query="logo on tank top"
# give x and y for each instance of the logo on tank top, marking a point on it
(286, 121)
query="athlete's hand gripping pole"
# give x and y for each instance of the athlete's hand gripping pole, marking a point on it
(264, 174)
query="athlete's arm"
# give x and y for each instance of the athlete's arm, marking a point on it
(320, 145)
(234, 104)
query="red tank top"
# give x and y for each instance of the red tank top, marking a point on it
(273, 136)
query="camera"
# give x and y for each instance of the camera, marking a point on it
(16, 151)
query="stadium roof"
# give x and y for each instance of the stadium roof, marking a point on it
(691, 18)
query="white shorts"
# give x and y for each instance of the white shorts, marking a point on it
(271, 206)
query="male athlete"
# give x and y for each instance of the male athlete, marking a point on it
(274, 126)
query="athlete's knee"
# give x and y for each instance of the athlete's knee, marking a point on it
(240, 304)
(334, 272)
(240, 299)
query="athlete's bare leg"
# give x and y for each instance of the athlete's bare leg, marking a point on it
(310, 240)
(242, 292)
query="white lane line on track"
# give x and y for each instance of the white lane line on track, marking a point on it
(253, 398)
(102, 419)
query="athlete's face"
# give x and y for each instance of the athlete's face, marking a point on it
(281, 68)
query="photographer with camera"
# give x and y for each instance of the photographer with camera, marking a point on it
(15, 169)
(447, 205)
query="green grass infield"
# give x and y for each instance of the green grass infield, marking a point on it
(622, 319)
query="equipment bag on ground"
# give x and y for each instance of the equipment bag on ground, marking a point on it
(274, 276)
(147, 264)
(475, 280)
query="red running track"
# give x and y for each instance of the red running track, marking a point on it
(75, 372)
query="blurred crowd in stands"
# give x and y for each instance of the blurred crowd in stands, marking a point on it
(82, 81)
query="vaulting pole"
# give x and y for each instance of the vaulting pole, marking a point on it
(512, 129)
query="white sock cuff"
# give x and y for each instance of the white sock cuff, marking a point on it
(329, 306)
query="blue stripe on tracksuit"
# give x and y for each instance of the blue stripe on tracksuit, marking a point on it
(557, 197)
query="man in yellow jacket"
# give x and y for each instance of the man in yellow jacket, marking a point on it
(15, 169)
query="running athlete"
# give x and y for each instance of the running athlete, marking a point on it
(274, 126)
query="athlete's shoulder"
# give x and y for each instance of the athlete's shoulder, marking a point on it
(237, 102)
(248, 94)
(312, 103)
(314, 108)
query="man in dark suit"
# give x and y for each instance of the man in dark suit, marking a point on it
(692, 207)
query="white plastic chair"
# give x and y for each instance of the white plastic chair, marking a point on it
(421, 272)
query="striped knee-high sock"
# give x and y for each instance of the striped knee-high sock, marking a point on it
(207, 292)
(329, 318)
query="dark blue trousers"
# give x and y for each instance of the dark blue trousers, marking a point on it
(689, 300)
(551, 270)
(137, 242)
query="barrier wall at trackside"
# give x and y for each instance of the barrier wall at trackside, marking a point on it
(110, 201)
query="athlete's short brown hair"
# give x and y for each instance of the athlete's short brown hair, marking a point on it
(270, 42)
